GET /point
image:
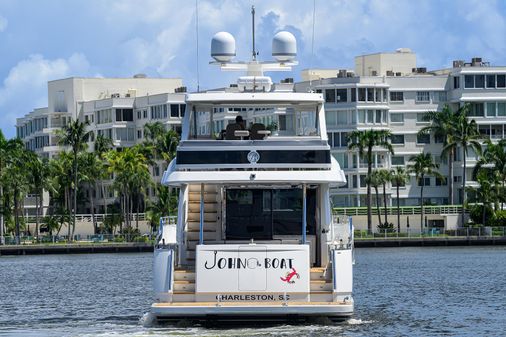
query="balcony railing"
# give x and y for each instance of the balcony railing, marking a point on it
(404, 210)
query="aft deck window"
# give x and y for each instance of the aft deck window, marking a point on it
(262, 214)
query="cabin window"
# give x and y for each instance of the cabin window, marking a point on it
(261, 214)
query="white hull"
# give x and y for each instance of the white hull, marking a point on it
(238, 311)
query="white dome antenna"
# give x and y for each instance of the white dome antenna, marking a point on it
(284, 47)
(223, 47)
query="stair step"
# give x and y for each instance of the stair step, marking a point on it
(209, 207)
(208, 197)
(208, 216)
(196, 188)
(320, 274)
(320, 285)
(184, 275)
(188, 286)
(195, 235)
(195, 226)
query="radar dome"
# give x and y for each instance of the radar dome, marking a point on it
(223, 47)
(284, 47)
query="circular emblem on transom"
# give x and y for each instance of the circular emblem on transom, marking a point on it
(253, 157)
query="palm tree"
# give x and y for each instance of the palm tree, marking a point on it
(375, 181)
(399, 177)
(423, 165)
(101, 146)
(16, 176)
(494, 156)
(75, 136)
(39, 174)
(364, 142)
(443, 126)
(467, 136)
(487, 193)
(385, 178)
(131, 174)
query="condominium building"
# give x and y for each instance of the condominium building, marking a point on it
(381, 94)
(117, 108)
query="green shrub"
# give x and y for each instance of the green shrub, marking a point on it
(500, 218)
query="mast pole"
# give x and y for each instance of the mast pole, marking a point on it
(254, 54)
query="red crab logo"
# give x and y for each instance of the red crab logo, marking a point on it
(290, 276)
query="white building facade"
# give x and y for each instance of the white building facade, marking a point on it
(397, 101)
(117, 108)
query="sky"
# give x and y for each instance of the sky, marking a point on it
(51, 39)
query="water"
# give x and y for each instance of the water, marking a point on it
(398, 292)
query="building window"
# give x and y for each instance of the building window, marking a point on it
(144, 113)
(423, 139)
(342, 117)
(422, 96)
(361, 94)
(440, 181)
(397, 118)
(361, 116)
(124, 115)
(139, 134)
(342, 95)
(363, 180)
(501, 81)
(370, 116)
(370, 94)
(182, 109)
(490, 81)
(476, 110)
(439, 139)
(490, 109)
(424, 182)
(330, 96)
(397, 160)
(342, 159)
(501, 109)
(139, 114)
(174, 110)
(468, 81)
(353, 94)
(331, 117)
(402, 183)
(396, 96)
(397, 139)
(354, 181)
(479, 81)
(457, 179)
(456, 82)
(421, 117)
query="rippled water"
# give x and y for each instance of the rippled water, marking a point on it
(398, 292)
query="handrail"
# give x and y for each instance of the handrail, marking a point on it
(404, 210)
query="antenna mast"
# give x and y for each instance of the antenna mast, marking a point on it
(254, 53)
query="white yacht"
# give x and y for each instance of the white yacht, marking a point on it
(254, 235)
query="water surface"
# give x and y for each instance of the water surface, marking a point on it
(398, 292)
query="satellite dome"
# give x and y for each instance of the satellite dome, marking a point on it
(223, 47)
(284, 47)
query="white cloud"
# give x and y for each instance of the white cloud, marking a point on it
(25, 86)
(3, 23)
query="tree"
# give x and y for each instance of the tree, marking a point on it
(385, 178)
(399, 177)
(364, 142)
(75, 136)
(374, 180)
(493, 159)
(466, 136)
(101, 146)
(487, 192)
(39, 174)
(131, 174)
(423, 165)
(166, 203)
(16, 176)
(442, 126)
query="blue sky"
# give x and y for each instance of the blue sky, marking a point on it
(51, 39)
